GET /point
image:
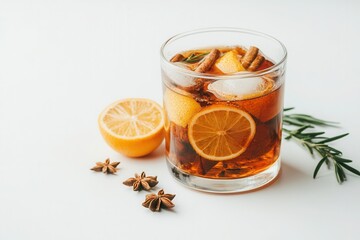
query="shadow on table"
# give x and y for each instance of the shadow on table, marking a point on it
(289, 175)
(157, 155)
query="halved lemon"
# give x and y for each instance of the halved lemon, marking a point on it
(133, 127)
(221, 132)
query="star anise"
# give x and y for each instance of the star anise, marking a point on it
(106, 167)
(141, 182)
(156, 202)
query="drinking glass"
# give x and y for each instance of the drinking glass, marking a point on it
(256, 98)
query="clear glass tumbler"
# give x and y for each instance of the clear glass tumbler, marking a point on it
(223, 130)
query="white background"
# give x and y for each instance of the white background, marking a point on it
(62, 62)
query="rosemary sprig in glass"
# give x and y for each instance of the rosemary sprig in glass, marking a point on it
(195, 57)
(317, 142)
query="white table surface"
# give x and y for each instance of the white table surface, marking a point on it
(62, 62)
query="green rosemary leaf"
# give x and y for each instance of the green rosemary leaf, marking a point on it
(341, 173)
(328, 164)
(318, 166)
(309, 148)
(310, 119)
(339, 177)
(317, 142)
(288, 109)
(193, 58)
(303, 119)
(334, 151)
(314, 134)
(334, 138)
(300, 130)
(290, 121)
(351, 169)
(344, 160)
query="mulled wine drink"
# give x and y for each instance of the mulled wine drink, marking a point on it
(223, 108)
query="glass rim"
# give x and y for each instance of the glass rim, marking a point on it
(229, 76)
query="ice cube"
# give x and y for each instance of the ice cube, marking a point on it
(242, 88)
(180, 78)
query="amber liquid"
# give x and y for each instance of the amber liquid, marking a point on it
(262, 152)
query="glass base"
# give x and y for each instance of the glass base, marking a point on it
(226, 185)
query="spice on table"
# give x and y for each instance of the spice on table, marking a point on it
(141, 182)
(106, 167)
(156, 202)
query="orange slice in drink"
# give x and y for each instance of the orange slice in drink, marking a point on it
(180, 108)
(221, 132)
(229, 63)
(133, 127)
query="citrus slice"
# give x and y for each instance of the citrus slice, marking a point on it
(180, 108)
(133, 127)
(229, 63)
(221, 132)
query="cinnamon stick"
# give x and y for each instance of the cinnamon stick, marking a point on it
(249, 56)
(208, 61)
(240, 51)
(177, 58)
(256, 63)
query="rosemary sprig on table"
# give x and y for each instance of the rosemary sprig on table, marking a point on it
(317, 142)
(193, 58)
